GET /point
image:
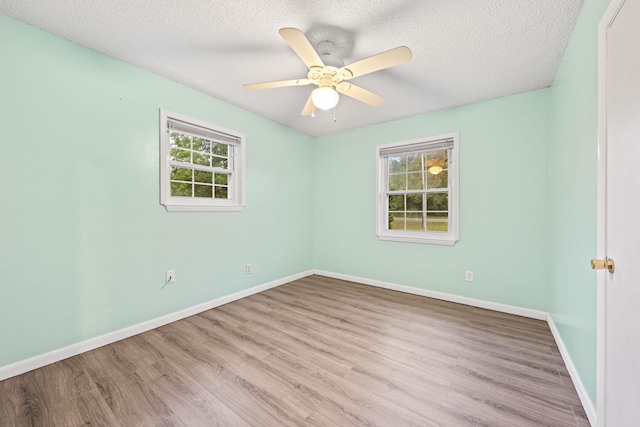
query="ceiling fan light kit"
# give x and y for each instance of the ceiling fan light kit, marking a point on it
(325, 98)
(331, 80)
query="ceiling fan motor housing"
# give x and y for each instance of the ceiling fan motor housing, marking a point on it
(328, 53)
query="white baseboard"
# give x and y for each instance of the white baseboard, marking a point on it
(39, 361)
(525, 312)
(587, 404)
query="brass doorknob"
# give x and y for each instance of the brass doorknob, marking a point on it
(601, 264)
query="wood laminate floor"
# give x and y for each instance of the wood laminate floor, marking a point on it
(319, 352)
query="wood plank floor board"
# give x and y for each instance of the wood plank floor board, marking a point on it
(300, 345)
(407, 303)
(120, 360)
(361, 359)
(187, 398)
(316, 351)
(332, 413)
(425, 322)
(517, 359)
(84, 410)
(243, 394)
(484, 377)
(24, 405)
(135, 403)
(538, 336)
(301, 309)
(221, 330)
(510, 367)
(542, 411)
(485, 410)
(31, 394)
(256, 405)
(421, 397)
(308, 316)
(298, 396)
(368, 325)
(353, 400)
(486, 383)
(542, 357)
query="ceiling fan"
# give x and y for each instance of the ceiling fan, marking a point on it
(331, 76)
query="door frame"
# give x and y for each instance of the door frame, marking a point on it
(601, 250)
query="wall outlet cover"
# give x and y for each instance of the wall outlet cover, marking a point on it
(170, 276)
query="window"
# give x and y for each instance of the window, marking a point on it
(201, 167)
(418, 190)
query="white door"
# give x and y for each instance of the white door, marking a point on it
(619, 216)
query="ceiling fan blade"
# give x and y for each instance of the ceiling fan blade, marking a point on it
(279, 83)
(390, 58)
(309, 107)
(362, 95)
(301, 46)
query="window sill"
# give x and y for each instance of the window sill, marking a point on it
(188, 208)
(430, 240)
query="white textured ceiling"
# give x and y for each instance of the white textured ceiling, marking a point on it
(464, 51)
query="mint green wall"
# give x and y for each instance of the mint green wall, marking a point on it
(84, 242)
(572, 194)
(503, 198)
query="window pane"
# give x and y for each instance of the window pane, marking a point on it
(178, 140)
(203, 190)
(414, 202)
(222, 192)
(397, 182)
(200, 176)
(414, 162)
(437, 226)
(220, 149)
(181, 174)
(437, 215)
(181, 189)
(415, 221)
(396, 202)
(438, 158)
(222, 179)
(201, 145)
(438, 202)
(200, 159)
(439, 180)
(415, 181)
(396, 221)
(180, 155)
(438, 221)
(220, 162)
(397, 164)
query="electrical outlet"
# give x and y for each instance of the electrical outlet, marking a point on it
(468, 276)
(247, 269)
(170, 276)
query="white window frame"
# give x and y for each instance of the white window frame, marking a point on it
(448, 238)
(199, 128)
